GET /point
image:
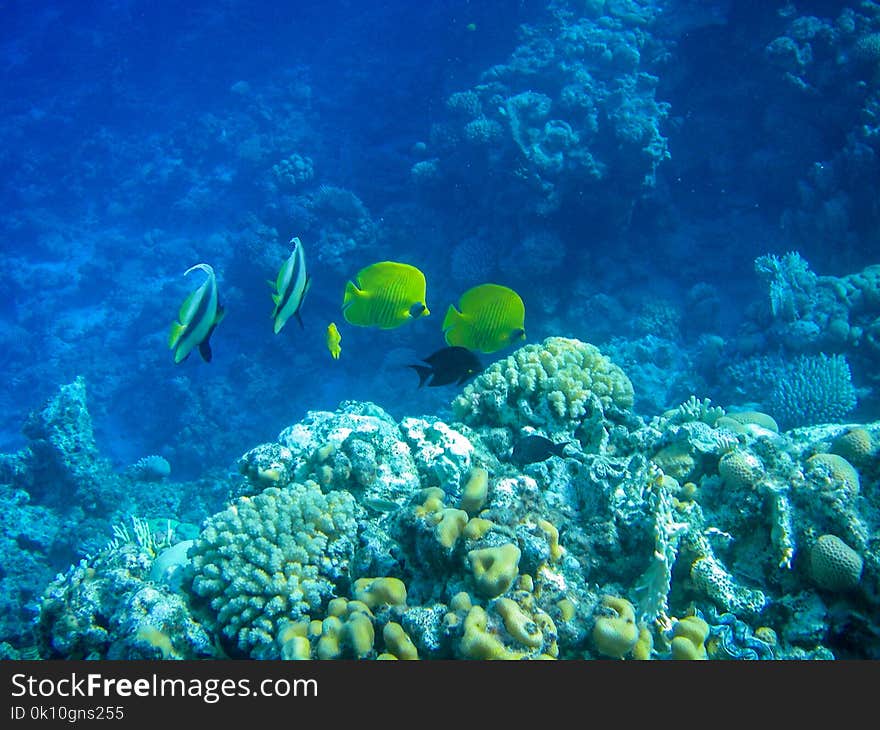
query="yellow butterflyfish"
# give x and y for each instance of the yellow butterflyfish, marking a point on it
(385, 295)
(489, 318)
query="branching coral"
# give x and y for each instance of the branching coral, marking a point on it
(554, 385)
(272, 558)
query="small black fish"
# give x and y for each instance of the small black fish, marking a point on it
(448, 365)
(532, 449)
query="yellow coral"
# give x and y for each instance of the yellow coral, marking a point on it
(766, 634)
(398, 643)
(495, 568)
(296, 648)
(615, 632)
(552, 533)
(689, 638)
(291, 630)
(644, 648)
(518, 624)
(477, 527)
(450, 525)
(433, 501)
(359, 634)
(461, 601)
(473, 496)
(158, 639)
(374, 592)
(688, 492)
(337, 607)
(477, 643)
(566, 609)
(331, 633)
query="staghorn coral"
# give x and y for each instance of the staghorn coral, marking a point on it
(813, 389)
(553, 385)
(271, 558)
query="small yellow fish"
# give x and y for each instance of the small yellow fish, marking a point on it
(333, 340)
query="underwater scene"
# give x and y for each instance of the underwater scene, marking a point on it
(451, 329)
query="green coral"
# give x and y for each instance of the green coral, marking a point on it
(271, 559)
(554, 385)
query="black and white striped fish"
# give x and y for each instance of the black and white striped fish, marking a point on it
(199, 314)
(291, 287)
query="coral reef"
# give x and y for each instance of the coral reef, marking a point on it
(703, 533)
(109, 607)
(574, 109)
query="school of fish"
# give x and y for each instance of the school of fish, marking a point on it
(383, 295)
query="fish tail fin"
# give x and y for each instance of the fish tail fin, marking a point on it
(424, 373)
(559, 449)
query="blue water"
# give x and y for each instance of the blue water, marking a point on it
(141, 138)
(124, 164)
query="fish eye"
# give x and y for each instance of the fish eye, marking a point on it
(417, 309)
(518, 334)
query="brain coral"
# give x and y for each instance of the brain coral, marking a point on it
(856, 446)
(554, 384)
(271, 559)
(836, 468)
(834, 565)
(740, 469)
